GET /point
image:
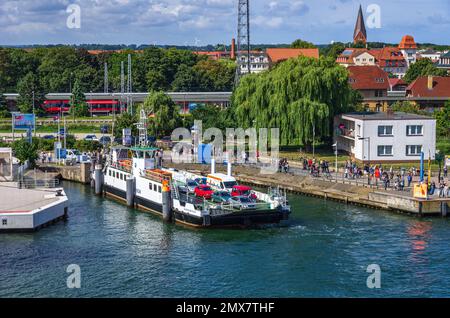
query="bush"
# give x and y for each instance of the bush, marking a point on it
(87, 145)
(25, 151)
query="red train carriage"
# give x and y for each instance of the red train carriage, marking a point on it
(96, 107)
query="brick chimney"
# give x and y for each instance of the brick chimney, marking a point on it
(430, 82)
(233, 49)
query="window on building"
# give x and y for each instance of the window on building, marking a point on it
(414, 130)
(159, 189)
(114, 174)
(384, 131)
(378, 93)
(385, 151)
(109, 171)
(155, 187)
(414, 150)
(4, 222)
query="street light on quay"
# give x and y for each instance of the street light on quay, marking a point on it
(368, 142)
(336, 153)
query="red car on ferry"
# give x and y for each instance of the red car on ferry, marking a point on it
(243, 191)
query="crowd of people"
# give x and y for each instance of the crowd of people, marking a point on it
(316, 168)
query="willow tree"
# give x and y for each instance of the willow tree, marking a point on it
(163, 112)
(299, 96)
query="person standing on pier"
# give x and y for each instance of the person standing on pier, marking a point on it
(445, 171)
(409, 179)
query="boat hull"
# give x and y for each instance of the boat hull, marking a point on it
(242, 219)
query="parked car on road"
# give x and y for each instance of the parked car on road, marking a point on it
(48, 137)
(104, 129)
(242, 203)
(91, 138)
(204, 191)
(105, 140)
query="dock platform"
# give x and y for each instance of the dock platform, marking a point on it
(30, 209)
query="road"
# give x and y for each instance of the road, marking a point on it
(78, 136)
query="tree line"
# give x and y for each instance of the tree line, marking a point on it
(57, 69)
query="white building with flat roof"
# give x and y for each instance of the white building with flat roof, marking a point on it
(386, 137)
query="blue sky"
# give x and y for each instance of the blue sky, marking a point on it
(201, 22)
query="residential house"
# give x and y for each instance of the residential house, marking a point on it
(429, 92)
(373, 84)
(386, 137)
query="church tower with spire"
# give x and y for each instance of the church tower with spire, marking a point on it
(360, 34)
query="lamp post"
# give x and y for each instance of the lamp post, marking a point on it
(368, 143)
(336, 153)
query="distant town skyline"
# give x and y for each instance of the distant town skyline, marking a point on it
(203, 22)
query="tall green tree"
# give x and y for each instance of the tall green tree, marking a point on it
(298, 96)
(406, 107)
(124, 121)
(163, 112)
(334, 50)
(78, 105)
(443, 121)
(300, 44)
(422, 67)
(186, 80)
(30, 93)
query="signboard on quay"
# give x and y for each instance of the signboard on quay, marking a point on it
(23, 121)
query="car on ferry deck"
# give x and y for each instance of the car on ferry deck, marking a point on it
(191, 185)
(242, 203)
(221, 197)
(204, 191)
(243, 191)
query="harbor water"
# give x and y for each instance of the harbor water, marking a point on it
(323, 252)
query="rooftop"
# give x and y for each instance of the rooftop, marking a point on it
(385, 116)
(281, 54)
(368, 77)
(419, 88)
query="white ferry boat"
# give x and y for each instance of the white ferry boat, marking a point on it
(136, 176)
(150, 181)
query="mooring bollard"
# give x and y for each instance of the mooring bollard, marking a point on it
(130, 192)
(92, 171)
(166, 203)
(98, 179)
(444, 209)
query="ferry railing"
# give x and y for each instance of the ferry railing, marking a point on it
(38, 183)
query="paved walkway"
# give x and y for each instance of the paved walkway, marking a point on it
(16, 200)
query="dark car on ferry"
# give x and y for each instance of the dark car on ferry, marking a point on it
(191, 185)
(243, 191)
(204, 191)
(221, 197)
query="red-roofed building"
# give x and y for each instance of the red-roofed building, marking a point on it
(429, 92)
(359, 57)
(277, 55)
(391, 60)
(397, 84)
(373, 84)
(408, 48)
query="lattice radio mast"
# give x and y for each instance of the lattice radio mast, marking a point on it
(129, 86)
(106, 88)
(122, 86)
(243, 39)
